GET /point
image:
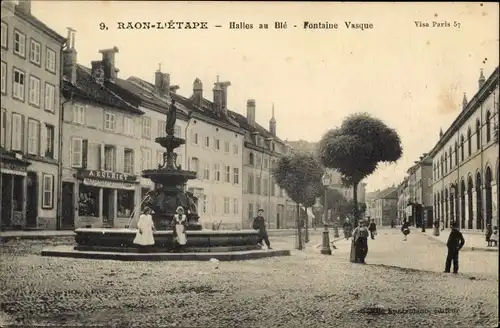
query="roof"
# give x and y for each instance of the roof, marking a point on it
(87, 88)
(39, 24)
(389, 193)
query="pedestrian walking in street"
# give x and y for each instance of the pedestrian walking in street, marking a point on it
(145, 228)
(405, 229)
(393, 224)
(180, 222)
(347, 229)
(373, 229)
(494, 237)
(359, 244)
(260, 224)
(488, 233)
(455, 243)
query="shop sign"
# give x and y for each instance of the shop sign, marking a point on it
(12, 168)
(107, 175)
(108, 184)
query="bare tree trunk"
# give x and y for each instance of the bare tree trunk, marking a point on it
(355, 211)
(299, 229)
(307, 226)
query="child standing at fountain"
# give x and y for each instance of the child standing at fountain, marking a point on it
(145, 227)
(180, 226)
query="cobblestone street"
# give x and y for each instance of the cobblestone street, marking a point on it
(306, 289)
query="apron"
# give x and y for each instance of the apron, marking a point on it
(180, 229)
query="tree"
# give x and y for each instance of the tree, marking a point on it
(357, 147)
(299, 174)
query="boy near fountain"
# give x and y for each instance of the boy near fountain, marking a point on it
(180, 226)
(145, 227)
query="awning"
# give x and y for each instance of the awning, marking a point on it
(108, 184)
(13, 163)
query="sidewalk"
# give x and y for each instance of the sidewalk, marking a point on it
(474, 241)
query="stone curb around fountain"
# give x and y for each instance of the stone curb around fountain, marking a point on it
(69, 252)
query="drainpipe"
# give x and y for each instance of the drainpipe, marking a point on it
(59, 162)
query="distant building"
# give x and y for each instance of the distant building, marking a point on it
(419, 184)
(383, 208)
(30, 120)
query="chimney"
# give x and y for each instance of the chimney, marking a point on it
(272, 124)
(218, 93)
(224, 86)
(69, 57)
(464, 101)
(108, 61)
(97, 71)
(162, 82)
(25, 6)
(173, 88)
(481, 79)
(440, 133)
(198, 93)
(251, 112)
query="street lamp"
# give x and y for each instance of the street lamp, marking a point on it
(326, 250)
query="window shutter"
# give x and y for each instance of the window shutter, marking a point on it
(43, 140)
(85, 151)
(101, 156)
(120, 159)
(24, 134)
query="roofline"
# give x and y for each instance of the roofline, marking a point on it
(39, 24)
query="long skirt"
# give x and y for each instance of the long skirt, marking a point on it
(352, 256)
(181, 234)
(359, 250)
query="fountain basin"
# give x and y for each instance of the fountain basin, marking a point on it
(121, 240)
(170, 142)
(173, 177)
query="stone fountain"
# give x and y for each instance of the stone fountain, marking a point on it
(169, 193)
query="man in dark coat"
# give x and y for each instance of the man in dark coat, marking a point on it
(259, 223)
(455, 243)
(373, 229)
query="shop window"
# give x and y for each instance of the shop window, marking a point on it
(18, 196)
(88, 201)
(125, 203)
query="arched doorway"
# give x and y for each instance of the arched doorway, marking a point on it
(452, 203)
(462, 204)
(438, 208)
(446, 207)
(479, 202)
(488, 178)
(470, 206)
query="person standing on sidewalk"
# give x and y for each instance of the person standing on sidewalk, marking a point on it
(373, 229)
(455, 243)
(259, 223)
(489, 232)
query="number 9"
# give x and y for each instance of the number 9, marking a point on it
(102, 26)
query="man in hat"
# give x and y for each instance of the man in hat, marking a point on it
(259, 223)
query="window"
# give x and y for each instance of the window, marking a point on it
(469, 142)
(488, 126)
(205, 201)
(178, 160)
(258, 185)
(48, 191)
(259, 161)
(216, 144)
(250, 159)
(195, 165)
(478, 135)
(34, 91)
(125, 203)
(226, 205)
(451, 159)
(250, 210)
(177, 131)
(445, 165)
(88, 201)
(128, 126)
(146, 158)
(207, 141)
(236, 175)
(273, 188)
(4, 77)
(206, 172)
(227, 174)
(17, 132)
(159, 158)
(162, 129)
(109, 121)
(19, 44)
(216, 172)
(3, 122)
(109, 158)
(18, 84)
(50, 97)
(76, 152)
(49, 144)
(128, 157)
(50, 60)
(266, 163)
(456, 153)
(235, 206)
(195, 138)
(266, 187)
(462, 145)
(33, 137)
(214, 204)
(35, 52)
(236, 150)
(146, 128)
(5, 35)
(227, 146)
(78, 114)
(250, 184)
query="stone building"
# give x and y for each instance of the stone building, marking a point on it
(384, 207)
(419, 187)
(465, 162)
(30, 119)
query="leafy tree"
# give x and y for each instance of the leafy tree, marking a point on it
(299, 174)
(357, 147)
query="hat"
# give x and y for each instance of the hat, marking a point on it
(179, 208)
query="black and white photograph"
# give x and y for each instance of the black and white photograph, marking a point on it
(213, 164)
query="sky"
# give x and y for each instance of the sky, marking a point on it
(413, 78)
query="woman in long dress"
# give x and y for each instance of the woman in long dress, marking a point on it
(359, 245)
(145, 227)
(180, 226)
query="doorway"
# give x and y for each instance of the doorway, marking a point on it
(6, 200)
(108, 210)
(68, 206)
(32, 200)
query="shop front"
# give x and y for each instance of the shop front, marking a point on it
(13, 185)
(104, 199)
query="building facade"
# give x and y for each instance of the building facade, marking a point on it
(384, 207)
(30, 119)
(419, 188)
(101, 149)
(465, 162)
